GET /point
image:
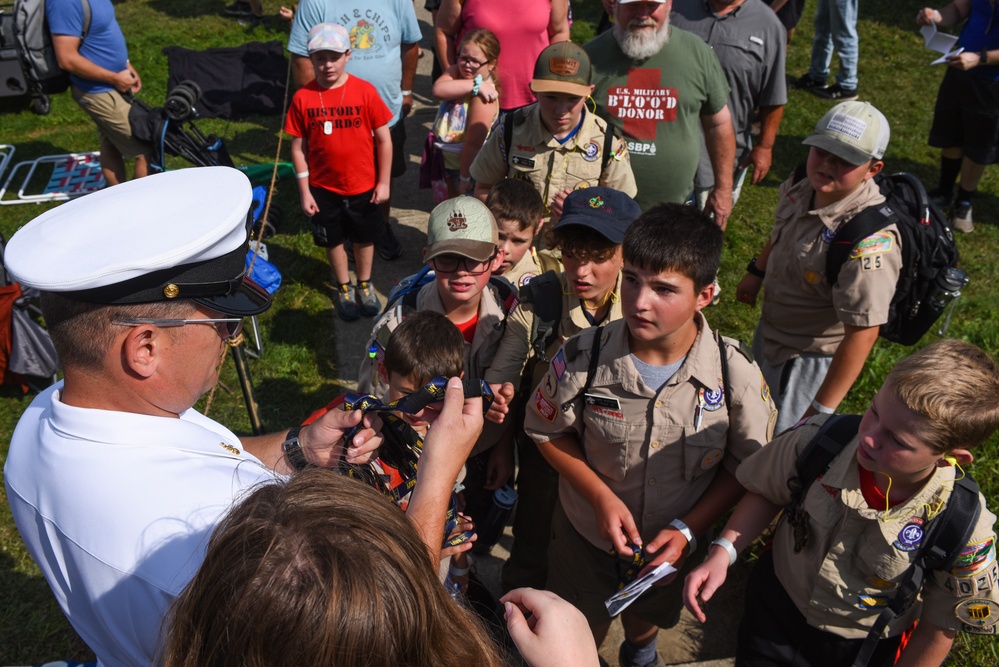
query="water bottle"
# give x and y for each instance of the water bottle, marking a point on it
(950, 282)
(490, 528)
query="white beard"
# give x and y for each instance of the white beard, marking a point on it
(641, 44)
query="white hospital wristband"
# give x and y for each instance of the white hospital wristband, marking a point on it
(302, 174)
(733, 555)
(685, 531)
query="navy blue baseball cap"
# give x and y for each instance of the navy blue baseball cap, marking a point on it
(606, 210)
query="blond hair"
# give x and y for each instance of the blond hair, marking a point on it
(955, 386)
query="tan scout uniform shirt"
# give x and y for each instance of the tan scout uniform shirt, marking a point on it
(537, 157)
(478, 354)
(855, 555)
(521, 273)
(648, 447)
(801, 312)
(515, 348)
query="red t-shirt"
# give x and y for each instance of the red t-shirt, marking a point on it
(342, 161)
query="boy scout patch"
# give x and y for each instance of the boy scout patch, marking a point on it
(591, 152)
(975, 558)
(764, 389)
(622, 150)
(712, 399)
(545, 408)
(878, 582)
(979, 615)
(549, 385)
(963, 587)
(875, 244)
(911, 535)
(828, 235)
(558, 364)
(872, 601)
(771, 425)
(526, 278)
(608, 402)
(711, 459)
(521, 161)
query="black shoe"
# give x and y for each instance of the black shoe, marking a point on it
(239, 8)
(806, 82)
(836, 92)
(940, 198)
(251, 21)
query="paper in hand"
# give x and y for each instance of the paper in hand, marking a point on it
(618, 602)
(941, 42)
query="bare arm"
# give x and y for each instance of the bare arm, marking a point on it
(302, 72)
(719, 136)
(614, 519)
(761, 157)
(445, 28)
(447, 445)
(299, 151)
(67, 51)
(928, 646)
(748, 288)
(950, 15)
(383, 142)
(410, 58)
(846, 365)
(480, 117)
(558, 22)
(751, 516)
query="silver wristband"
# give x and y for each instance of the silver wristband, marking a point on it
(686, 532)
(727, 545)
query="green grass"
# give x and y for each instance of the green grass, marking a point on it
(296, 372)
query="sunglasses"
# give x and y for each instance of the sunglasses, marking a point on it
(452, 263)
(226, 327)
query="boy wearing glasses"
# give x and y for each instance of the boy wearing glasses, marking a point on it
(463, 252)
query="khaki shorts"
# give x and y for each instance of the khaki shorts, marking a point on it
(586, 576)
(110, 111)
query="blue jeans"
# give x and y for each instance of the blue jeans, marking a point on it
(836, 29)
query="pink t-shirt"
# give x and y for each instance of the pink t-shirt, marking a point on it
(521, 26)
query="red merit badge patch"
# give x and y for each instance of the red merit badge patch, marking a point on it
(642, 103)
(545, 408)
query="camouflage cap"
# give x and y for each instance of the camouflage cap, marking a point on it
(462, 226)
(563, 67)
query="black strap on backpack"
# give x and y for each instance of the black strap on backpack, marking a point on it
(869, 221)
(591, 369)
(544, 293)
(723, 359)
(946, 534)
(508, 123)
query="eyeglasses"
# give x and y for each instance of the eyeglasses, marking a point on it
(230, 326)
(472, 62)
(452, 263)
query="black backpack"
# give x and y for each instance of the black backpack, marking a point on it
(35, 49)
(930, 279)
(946, 534)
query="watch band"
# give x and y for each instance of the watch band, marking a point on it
(754, 270)
(292, 449)
(983, 57)
(686, 532)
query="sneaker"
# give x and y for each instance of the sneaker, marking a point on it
(346, 303)
(239, 8)
(962, 217)
(658, 662)
(835, 92)
(370, 305)
(806, 82)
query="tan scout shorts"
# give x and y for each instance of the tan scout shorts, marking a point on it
(110, 111)
(586, 576)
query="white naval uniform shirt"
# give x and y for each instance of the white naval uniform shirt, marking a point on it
(116, 508)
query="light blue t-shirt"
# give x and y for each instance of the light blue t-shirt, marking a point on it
(104, 45)
(377, 28)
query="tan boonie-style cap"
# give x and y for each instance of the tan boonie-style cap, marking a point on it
(563, 67)
(462, 226)
(854, 131)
